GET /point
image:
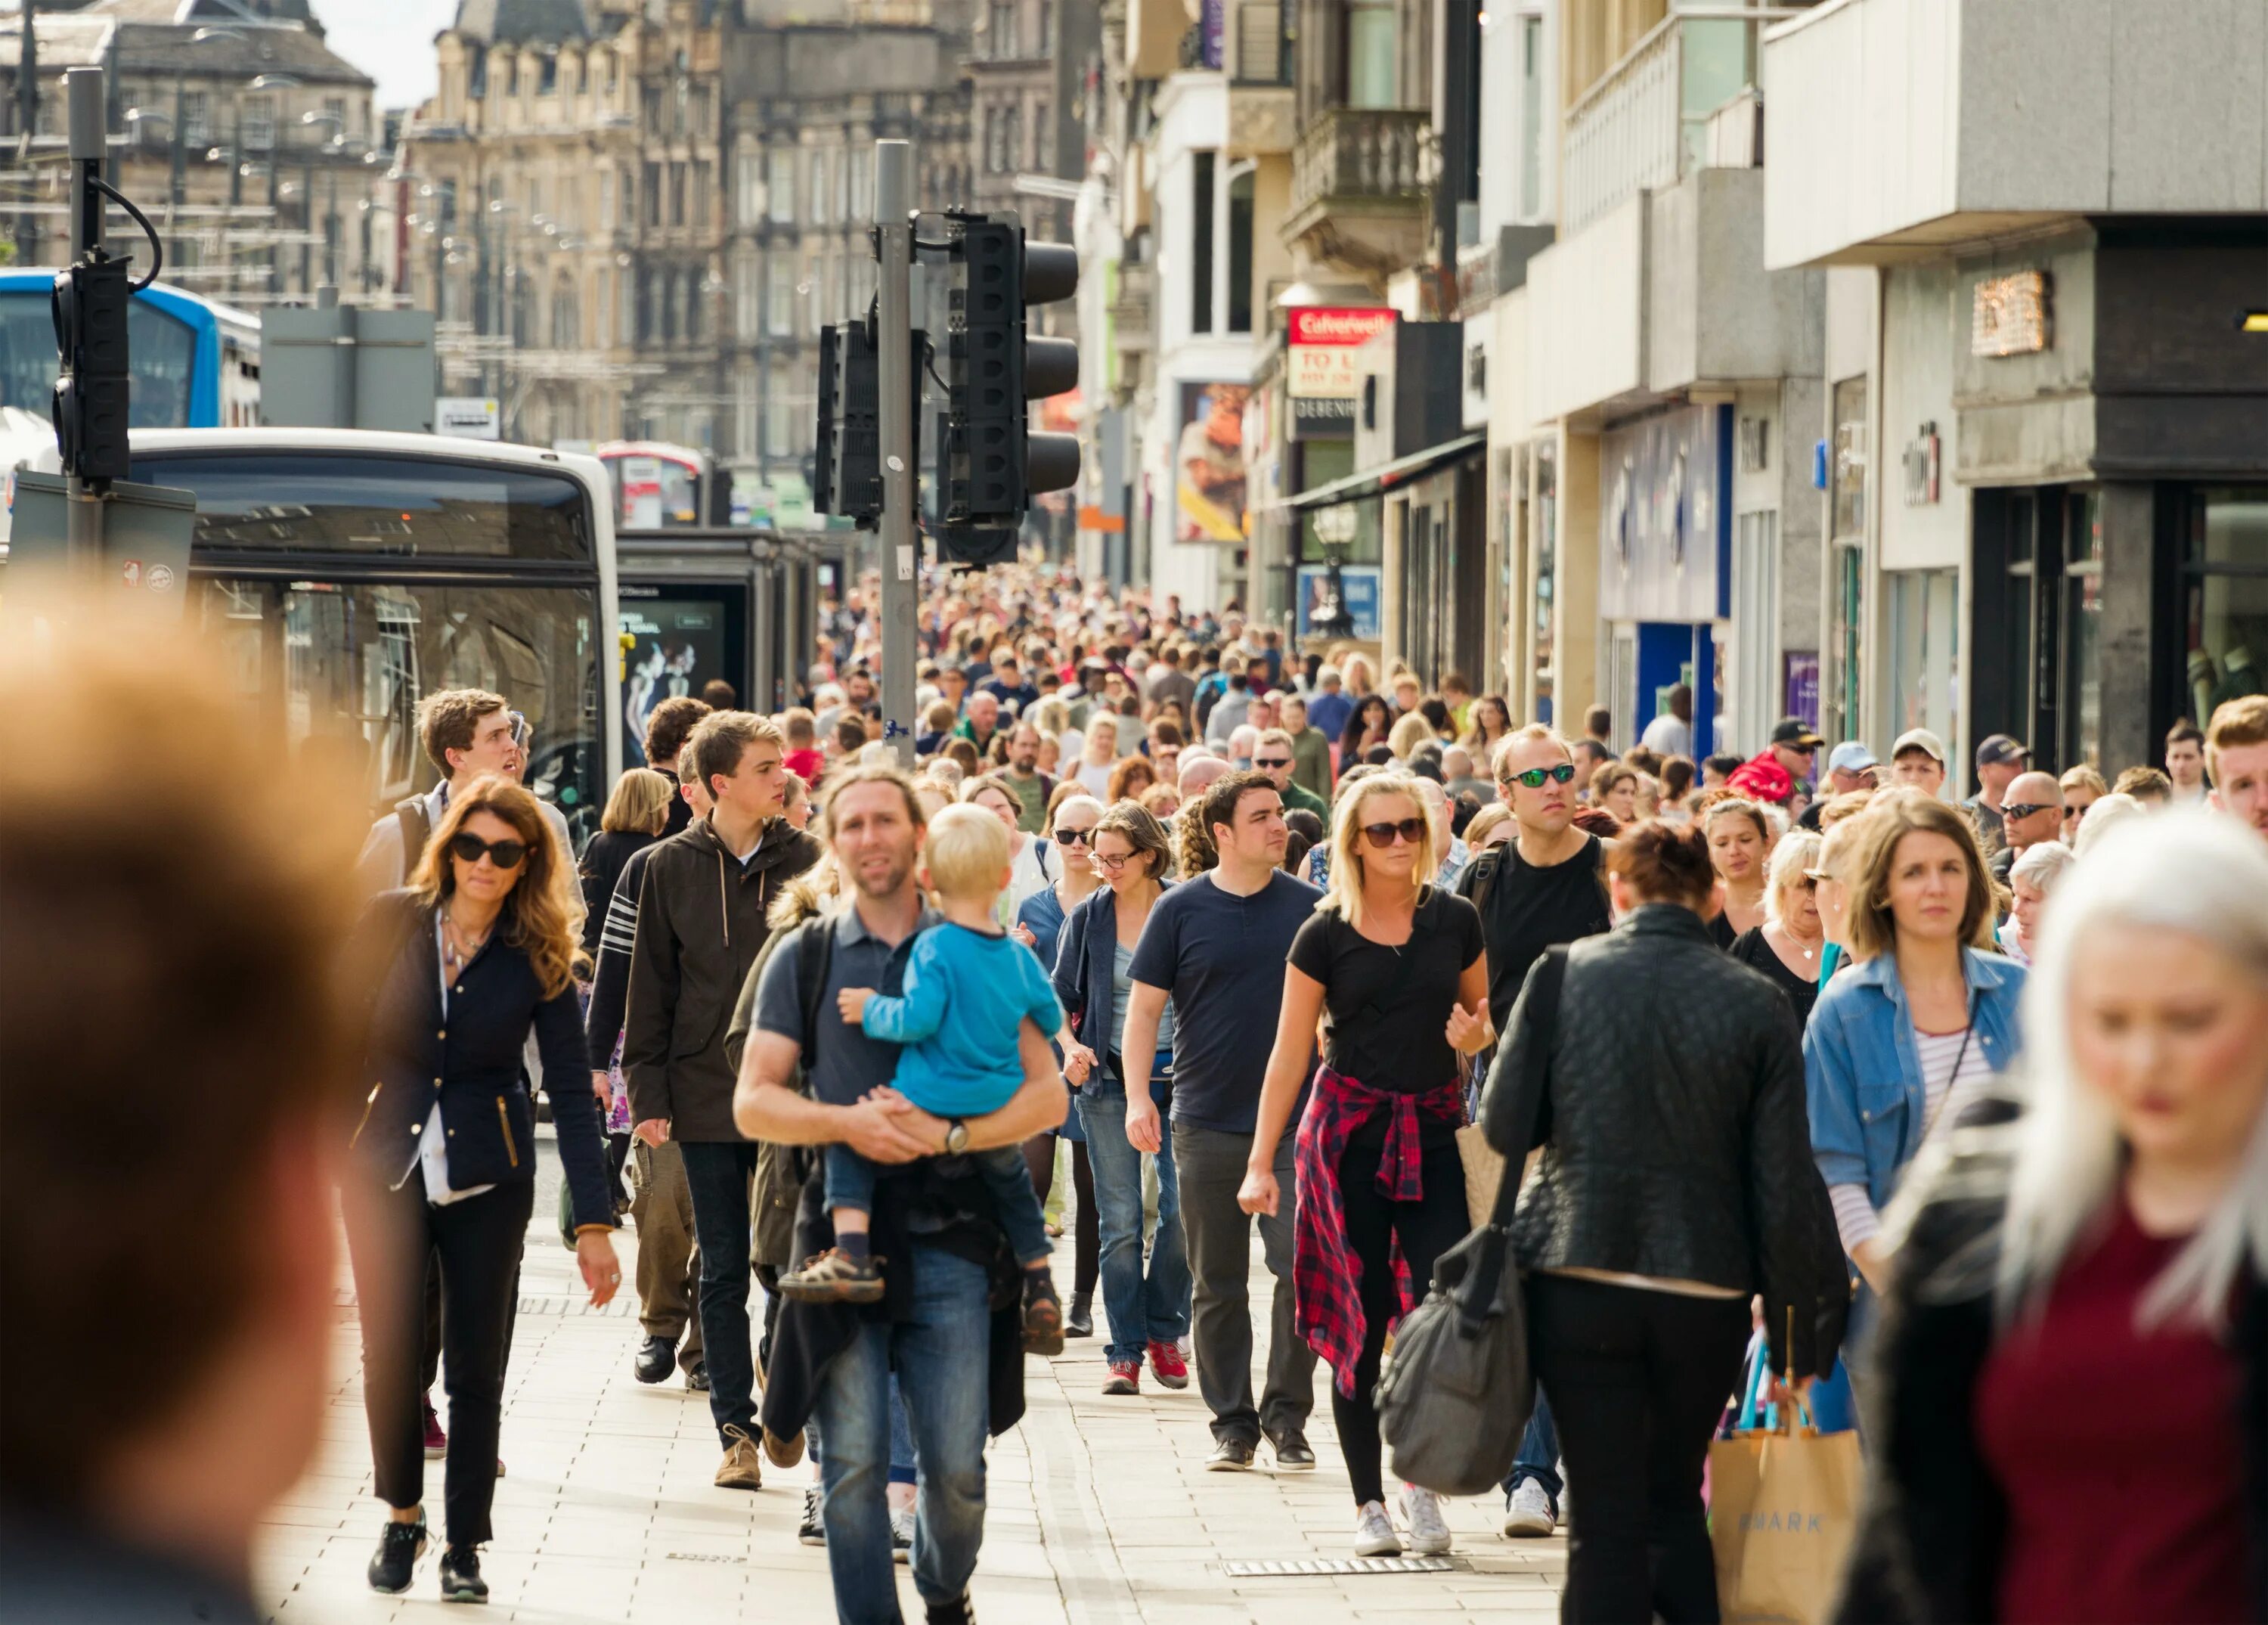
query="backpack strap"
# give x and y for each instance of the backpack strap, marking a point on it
(416, 830)
(1485, 871)
(814, 957)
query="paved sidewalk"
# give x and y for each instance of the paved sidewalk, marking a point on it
(1100, 1511)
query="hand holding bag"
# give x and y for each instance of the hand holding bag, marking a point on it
(1457, 1390)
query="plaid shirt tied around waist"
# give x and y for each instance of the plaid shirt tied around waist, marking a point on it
(1326, 1276)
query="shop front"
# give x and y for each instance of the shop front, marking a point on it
(1665, 543)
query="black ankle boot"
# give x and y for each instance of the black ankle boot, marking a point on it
(461, 1575)
(1078, 1320)
(394, 1563)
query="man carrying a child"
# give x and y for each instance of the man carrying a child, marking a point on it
(935, 1325)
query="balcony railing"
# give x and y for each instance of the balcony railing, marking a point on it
(1360, 152)
(1647, 121)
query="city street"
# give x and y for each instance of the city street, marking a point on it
(1101, 1510)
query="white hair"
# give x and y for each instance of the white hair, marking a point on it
(2104, 812)
(1795, 854)
(2207, 877)
(2044, 863)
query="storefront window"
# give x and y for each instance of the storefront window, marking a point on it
(1926, 651)
(1847, 481)
(2225, 598)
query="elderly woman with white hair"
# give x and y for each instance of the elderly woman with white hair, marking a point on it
(2030, 878)
(1785, 949)
(2069, 1418)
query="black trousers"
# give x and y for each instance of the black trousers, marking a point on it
(1087, 1245)
(1426, 1228)
(390, 1236)
(1638, 1380)
(718, 1175)
(430, 1369)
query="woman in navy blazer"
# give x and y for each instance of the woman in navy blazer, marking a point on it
(474, 953)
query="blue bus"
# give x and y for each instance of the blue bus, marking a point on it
(197, 364)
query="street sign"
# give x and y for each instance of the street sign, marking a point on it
(145, 556)
(471, 417)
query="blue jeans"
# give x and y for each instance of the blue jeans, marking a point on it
(902, 1439)
(1539, 1453)
(1143, 1307)
(850, 1183)
(940, 1353)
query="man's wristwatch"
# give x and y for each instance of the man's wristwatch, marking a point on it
(956, 1136)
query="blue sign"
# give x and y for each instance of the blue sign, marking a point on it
(1662, 501)
(1359, 584)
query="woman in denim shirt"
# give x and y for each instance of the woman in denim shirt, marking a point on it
(1928, 1009)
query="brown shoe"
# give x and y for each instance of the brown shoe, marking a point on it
(742, 1467)
(835, 1277)
(783, 1452)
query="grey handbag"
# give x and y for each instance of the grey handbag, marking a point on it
(1455, 1391)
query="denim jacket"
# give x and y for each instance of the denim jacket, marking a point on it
(1862, 1069)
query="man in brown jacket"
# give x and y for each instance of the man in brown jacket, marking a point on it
(700, 927)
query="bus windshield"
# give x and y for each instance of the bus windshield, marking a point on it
(163, 348)
(259, 501)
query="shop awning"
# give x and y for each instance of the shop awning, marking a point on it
(1375, 481)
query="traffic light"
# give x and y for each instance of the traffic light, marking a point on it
(994, 464)
(91, 400)
(847, 476)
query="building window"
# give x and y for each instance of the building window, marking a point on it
(566, 325)
(1042, 159)
(335, 118)
(695, 297)
(745, 398)
(1047, 27)
(1003, 29)
(2224, 599)
(547, 74)
(259, 123)
(1924, 674)
(195, 128)
(775, 424)
(630, 308)
(862, 184)
(512, 73)
(1372, 49)
(603, 308)
(1847, 485)
(779, 184)
(1201, 235)
(747, 294)
(1531, 117)
(823, 198)
(747, 187)
(677, 193)
(1240, 253)
(654, 195)
(606, 198)
(779, 297)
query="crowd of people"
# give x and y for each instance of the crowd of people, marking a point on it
(1954, 1113)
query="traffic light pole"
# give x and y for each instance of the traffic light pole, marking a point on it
(89, 126)
(893, 351)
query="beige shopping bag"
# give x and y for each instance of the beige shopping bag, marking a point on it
(1484, 1170)
(1782, 1511)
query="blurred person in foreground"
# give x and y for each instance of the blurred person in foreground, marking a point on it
(133, 1475)
(2095, 1236)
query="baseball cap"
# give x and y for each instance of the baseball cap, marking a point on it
(2000, 748)
(1850, 756)
(1792, 731)
(1919, 739)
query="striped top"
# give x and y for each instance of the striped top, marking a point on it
(1855, 1218)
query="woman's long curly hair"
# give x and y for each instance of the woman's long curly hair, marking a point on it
(541, 912)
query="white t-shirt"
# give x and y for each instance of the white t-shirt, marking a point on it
(1667, 736)
(1855, 1218)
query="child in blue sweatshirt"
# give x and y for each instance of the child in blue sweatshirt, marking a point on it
(969, 986)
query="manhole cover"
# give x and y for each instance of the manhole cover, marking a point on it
(1299, 1568)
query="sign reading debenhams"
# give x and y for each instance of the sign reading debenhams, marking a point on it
(1320, 356)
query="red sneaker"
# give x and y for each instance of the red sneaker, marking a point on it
(1166, 1365)
(436, 1443)
(1125, 1377)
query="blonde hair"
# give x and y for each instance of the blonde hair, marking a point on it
(1894, 815)
(1483, 822)
(639, 804)
(1796, 856)
(2188, 871)
(1408, 734)
(1522, 736)
(968, 853)
(1345, 897)
(544, 911)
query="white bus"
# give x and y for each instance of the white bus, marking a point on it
(347, 574)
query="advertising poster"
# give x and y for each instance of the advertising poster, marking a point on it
(1360, 584)
(1800, 694)
(1320, 376)
(678, 644)
(1209, 464)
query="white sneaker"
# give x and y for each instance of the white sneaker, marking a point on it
(1429, 1531)
(1374, 1533)
(1528, 1512)
(902, 1535)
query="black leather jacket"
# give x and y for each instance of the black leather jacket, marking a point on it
(1673, 1129)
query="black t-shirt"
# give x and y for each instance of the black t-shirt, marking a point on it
(1389, 1006)
(1531, 909)
(1721, 932)
(1752, 950)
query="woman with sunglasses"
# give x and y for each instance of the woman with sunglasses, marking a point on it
(1039, 927)
(1399, 967)
(1785, 949)
(477, 952)
(1147, 1307)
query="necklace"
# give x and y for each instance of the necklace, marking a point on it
(461, 947)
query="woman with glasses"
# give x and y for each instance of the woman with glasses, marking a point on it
(1147, 1306)
(1927, 1011)
(1039, 927)
(478, 951)
(2083, 787)
(1740, 848)
(1399, 966)
(1787, 946)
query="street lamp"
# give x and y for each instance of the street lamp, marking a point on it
(1335, 527)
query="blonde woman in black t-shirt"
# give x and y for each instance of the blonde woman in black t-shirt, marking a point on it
(1399, 967)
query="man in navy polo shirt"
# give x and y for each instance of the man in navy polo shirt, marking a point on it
(1216, 944)
(940, 1350)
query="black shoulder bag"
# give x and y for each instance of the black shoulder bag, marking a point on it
(1456, 1390)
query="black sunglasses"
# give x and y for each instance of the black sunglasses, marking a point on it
(1534, 777)
(1277, 761)
(1072, 837)
(469, 847)
(2025, 809)
(1382, 835)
